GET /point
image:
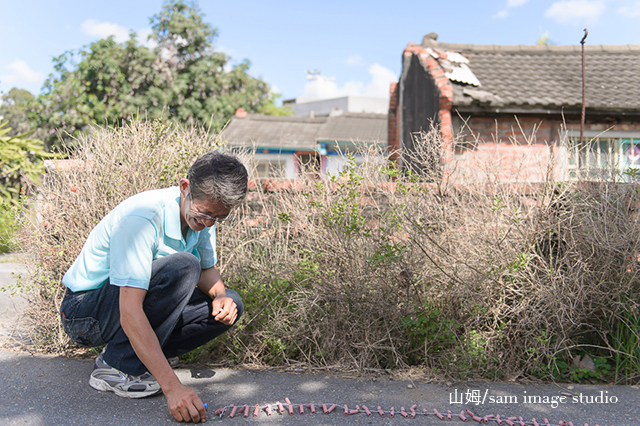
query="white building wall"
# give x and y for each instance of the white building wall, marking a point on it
(304, 106)
(287, 160)
(370, 105)
(335, 164)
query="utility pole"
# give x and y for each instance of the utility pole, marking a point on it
(582, 118)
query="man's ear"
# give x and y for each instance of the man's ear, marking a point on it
(184, 186)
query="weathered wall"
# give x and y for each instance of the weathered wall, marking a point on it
(421, 102)
(523, 148)
(394, 123)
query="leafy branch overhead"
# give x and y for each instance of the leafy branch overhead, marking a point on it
(180, 78)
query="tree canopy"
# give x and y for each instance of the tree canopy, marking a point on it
(182, 78)
(13, 107)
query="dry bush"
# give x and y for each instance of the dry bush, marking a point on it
(377, 268)
(104, 169)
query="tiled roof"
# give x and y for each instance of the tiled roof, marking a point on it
(547, 76)
(351, 126)
(304, 133)
(274, 132)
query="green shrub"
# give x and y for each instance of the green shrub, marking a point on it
(625, 341)
(21, 164)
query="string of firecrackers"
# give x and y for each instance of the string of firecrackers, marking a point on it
(464, 415)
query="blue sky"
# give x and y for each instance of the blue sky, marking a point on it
(356, 45)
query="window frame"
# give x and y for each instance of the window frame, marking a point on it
(601, 164)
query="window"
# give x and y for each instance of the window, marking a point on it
(609, 158)
(270, 169)
(309, 165)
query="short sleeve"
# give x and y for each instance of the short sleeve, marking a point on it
(207, 248)
(133, 242)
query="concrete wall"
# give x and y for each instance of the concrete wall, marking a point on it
(287, 160)
(304, 106)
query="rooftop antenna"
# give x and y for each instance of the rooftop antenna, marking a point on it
(582, 118)
(312, 74)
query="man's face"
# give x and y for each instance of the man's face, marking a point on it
(200, 214)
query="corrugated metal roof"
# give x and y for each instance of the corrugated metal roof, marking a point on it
(454, 66)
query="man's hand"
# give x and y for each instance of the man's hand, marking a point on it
(184, 404)
(225, 310)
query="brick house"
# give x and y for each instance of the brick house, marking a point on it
(520, 106)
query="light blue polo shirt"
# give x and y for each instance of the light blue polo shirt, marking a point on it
(139, 230)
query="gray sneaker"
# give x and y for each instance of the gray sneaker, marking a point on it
(106, 378)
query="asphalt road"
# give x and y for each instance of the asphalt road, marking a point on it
(46, 390)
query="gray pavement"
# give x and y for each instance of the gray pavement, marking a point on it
(12, 319)
(46, 390)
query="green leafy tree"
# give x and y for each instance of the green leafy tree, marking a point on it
(13, 107)
(183, 78)
(21, 164)
(272, 109)
(104, 83)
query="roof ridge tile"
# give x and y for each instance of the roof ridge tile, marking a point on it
(538, 48)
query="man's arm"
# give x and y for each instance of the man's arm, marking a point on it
(224, 308)
(184, 404)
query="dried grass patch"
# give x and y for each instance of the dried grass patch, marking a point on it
(377, 270)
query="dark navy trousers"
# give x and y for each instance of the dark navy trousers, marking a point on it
(179, 313)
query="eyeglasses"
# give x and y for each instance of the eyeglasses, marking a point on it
(200, 215)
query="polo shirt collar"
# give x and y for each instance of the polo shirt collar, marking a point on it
(172, 227)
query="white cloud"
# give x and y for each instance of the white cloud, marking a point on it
(94, 28)
(381, 79)
(321, 87)
(143, 37)
(575, 11)
(510, 5)
(21, 75)
(353, 60)
(632, 11)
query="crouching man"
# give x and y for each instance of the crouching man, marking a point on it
(146, 284)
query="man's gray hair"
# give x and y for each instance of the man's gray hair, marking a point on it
(218, 177)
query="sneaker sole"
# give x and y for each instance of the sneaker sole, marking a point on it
(103, 386)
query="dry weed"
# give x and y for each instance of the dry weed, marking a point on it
(381, 269)
(104, 169)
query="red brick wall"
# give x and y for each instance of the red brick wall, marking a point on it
(504, 162)
(509, 149)
(508, 128)
(394, 124)
(536, 129)
(446, 93)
